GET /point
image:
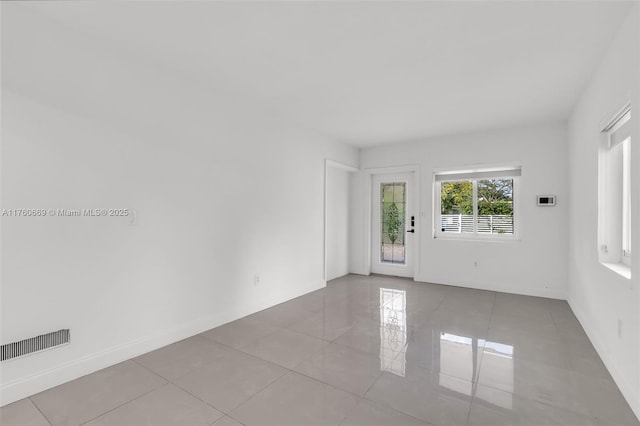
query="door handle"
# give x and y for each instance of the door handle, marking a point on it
(411, 230)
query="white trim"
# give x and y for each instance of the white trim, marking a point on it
(482, 238)
(341, 166)
(476, 167)
(607, 125)
(59, 374)
(474, 206)
(491, 286)
(619, 268)
(477, 174)
(368, 175)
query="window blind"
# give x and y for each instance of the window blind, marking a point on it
(478, 174)
(619, 128)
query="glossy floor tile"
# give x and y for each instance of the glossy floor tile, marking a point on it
(168, 405)
(239, 333)
(231, 380)
(342, 367)
(492, 407)
(363, 351)
(178, 359)
(432, 397)
(285, 348)
(90, 396)
(227, 421)
(323, 325)
(296, 400)
(20, 413)
(368, 413)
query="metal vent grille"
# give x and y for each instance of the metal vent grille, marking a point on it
(35, 344)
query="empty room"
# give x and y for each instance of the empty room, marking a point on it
(320, 213)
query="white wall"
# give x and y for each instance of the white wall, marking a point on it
(222, 192)
(598, 296)
(535, 265)
(337, 222)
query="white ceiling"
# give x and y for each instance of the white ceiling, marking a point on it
(372, 72)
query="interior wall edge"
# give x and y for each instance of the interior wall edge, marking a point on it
(627, 388)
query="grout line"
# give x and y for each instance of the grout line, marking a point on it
(260, 391)
(127, 402)
(290, 371)
(39, 410)
(378, 377)
(326, 384)
(150, 370)
(120, 405)
(390, 407)
(224, 413)
(269, 333)
(232, 418)
(475, 384)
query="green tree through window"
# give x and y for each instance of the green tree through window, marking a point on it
(393, 223)
(495, 197)
(457, 197)
(493, 206)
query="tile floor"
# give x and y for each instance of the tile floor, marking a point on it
(364, 351)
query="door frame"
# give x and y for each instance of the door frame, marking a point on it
(367, 200)
(406, 269)
(328, 163)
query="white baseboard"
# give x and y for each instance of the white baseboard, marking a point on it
(359, 271)
(525, 291)
(59, 374)
(625, 387)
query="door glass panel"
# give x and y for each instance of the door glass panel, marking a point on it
(392, 222)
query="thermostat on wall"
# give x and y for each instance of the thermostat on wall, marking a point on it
(546, 200)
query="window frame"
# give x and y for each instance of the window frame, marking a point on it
(483, 174)
(614, 220)
(626, 202)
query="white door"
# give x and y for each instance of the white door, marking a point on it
(393, 230)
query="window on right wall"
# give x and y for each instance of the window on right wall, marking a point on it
(614, 196)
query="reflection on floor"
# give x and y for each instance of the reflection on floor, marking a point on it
(363, 351)
(393, 330)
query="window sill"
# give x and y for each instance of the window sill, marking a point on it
(619, 268)
(477, 239)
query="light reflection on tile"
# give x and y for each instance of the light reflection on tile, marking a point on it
(459, 357)
(497, 362)
(495, 397)
(393, 330)
(420, 394)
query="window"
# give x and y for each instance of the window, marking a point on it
(614, 196)
(476, 203)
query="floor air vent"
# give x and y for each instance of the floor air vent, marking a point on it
(35, 344)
